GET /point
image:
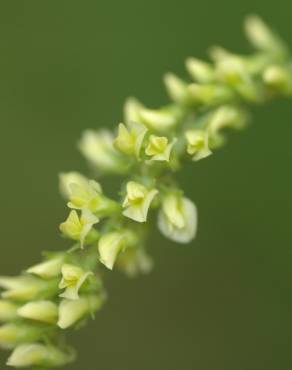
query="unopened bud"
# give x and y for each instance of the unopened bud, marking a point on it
(36, 354)
(13, 334)
(262, 37)
(44, 311)
(47, 269)
(176, 88)
(8, 311)
(278, 78)
(98, 149)
(70, 312)
(65, 179)
(209, 94)
(200, 71)
(25, 288)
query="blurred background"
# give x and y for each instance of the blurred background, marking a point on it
(222, 303)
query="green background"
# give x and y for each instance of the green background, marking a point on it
(225, 301)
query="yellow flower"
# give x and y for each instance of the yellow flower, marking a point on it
(159, 148)
(138, 201)
(177, 219)
(198, 144)
(129, 140)
(73, 278)
(78, 228)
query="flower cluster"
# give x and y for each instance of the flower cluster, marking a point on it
(146, 150)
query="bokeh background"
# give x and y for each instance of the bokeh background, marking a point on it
(225, 301)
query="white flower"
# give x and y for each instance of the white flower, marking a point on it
(73, 278)
(138, 201)
(177, 219)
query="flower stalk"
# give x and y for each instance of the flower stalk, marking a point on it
(144, 154)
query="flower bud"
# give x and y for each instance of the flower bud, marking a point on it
(13, 334)
(43, 311)
(98, 149)
(79, 228)
(200, 71)
(278, 78)
(66, 179)
(198, 144)
(159, 148)
(25, 288)
(161, 120)
(176, 88)
(138, 201)
(73, 278)
(209, 94)
(262, 38)
(132, 110)
(234, 71)
(47, 269)
(112, 244)
(226, 116)
(8, 311)
(36, 354)
(177, 219)
(134, 261)
(70, 312)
